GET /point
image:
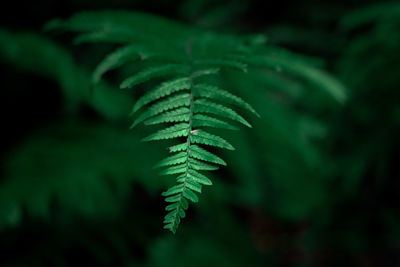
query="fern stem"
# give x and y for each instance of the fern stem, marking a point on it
(187, 161)
(188, 142)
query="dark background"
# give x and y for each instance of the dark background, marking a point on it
(78, 188)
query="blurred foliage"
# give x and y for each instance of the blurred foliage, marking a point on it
(314, 182)
(71, 164)
(33, 53)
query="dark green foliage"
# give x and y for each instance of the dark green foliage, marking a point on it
(374, 105)
(36, 54)
(313, 183)
(53, 162)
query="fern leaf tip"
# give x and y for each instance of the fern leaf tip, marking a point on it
(133, 125)
(145, 139)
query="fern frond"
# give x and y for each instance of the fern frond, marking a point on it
(200, 120)
(205, 72)
(185, 100)
(178, 130)
(177, 115)
(201, 166)
(116, 59)
(177, 148)
(193, 185)
(206, 106)
(173, 160)
(216, 93)
(172, 102)
(284, 61)
(164, 89)
(202, 154)
(153, 72)
(226, 63)
(198, 177)
(182, 168)
(178, 194)
(189, 194)
(115, 35)
(202, 137)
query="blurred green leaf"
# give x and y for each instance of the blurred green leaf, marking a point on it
(84, 169)
(33, 53)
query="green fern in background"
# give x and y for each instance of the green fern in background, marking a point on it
(31, 52)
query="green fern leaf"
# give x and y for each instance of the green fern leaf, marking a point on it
(116, 59)
(153, 72)
(164, 89)
(222, 63)
(173, 190)
(116, 35)
(178, 130)
(202, 137)
(183, 203)
(202, 154)
(172, 102)
(178, 148)
(288, 63)
(173, 198)
(215, 93)
(200, 120)
(182, 168)
(198, 177)
(204, 72)
(193, 185)
(201, 166)
(173, 160)
(172, 206)
(177, 115)
(203, 105)
(190, 195)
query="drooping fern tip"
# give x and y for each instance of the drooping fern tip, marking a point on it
(182, 58)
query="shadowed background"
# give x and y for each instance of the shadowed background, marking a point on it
(313, 183)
